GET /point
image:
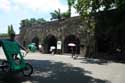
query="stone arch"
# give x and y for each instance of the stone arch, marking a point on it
(50, 40)
(71, 39)
(36, 41)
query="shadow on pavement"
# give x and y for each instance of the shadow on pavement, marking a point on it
(95, 61)
(12, 78)
(46, 71)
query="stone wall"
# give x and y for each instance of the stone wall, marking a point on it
(109, 31)
(59, 29)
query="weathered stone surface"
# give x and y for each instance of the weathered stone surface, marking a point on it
(59, 29)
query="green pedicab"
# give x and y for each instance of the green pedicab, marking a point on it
(11, 48)
(32, 47)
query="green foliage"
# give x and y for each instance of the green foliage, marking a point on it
(31, 22)
(41, 20)
(85, 7)
(88, 7)
(3, 35)
(25, 23)
(10, 29)
(65, 15)
(56, 15)
(70, 4)
(119, 3)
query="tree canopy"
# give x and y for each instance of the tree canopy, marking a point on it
(58, 15)
(85, 7)
(70, 4)
(88, 7)
(32, 21)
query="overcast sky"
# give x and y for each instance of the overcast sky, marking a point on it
(13, 11)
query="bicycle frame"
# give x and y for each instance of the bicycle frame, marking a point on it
(12, 48)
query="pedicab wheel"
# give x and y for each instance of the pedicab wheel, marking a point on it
(5, 66)
(28, 70)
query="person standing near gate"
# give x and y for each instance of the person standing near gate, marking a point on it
(52, 49)
(73, 48)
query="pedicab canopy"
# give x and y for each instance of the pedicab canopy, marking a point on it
(32, 47)
(12, 48)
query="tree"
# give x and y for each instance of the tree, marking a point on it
(65, 15)
(10, 29)
(30, 22)
(25, 23)
(91, 6)
(87, 8)
(70, 4)
(56, 15)
(41, 20)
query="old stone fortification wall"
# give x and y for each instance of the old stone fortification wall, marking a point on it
(59, 29)
(109, 31)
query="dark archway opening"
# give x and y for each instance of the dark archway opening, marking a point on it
(72, 39)
(49, 41)
(36, 41)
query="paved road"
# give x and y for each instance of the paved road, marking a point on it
(64, 69)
